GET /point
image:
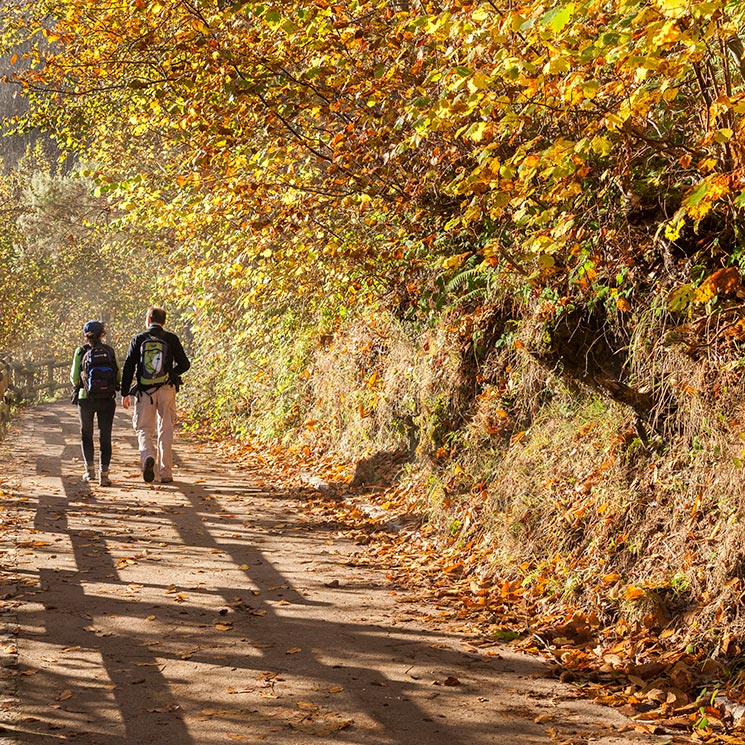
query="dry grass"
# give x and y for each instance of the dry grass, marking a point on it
(364, 390)
(555, 485)
(579, 496)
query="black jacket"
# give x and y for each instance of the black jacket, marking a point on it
(131, 372)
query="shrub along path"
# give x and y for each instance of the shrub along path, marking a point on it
(217, 610)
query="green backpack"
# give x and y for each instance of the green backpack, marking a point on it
(155, 362)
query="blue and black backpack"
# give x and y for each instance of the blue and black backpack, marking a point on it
(97, 371)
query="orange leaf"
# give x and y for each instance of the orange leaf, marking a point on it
(623, 305)
(721, 282)
(634, 593)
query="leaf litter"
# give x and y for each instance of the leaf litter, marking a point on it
(647, 671)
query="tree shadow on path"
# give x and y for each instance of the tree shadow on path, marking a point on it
(210, 611)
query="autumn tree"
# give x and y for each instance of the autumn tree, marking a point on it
(321, 156)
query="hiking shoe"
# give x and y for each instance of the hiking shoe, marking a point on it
(89, 475)
(166, 480)
(148, 472)
(103, 478)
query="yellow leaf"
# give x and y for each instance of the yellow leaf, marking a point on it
(591, 88)
(478, 82)
(668, 34)
(476, 131)
(453, 262)
(673, 8)
(673, 228)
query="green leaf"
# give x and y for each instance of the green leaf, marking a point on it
(555, 20)
(697, 194)
(681, 298)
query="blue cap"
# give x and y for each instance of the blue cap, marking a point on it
(95, 328)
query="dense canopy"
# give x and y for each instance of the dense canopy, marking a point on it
(288, 151)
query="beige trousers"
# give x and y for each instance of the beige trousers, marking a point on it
(154, 419)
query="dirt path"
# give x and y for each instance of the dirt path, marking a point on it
(214, 611)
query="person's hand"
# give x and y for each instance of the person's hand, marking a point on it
(125, 402)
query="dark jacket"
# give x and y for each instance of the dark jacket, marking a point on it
(131, 371)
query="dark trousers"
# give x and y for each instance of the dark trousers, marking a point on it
(103, 409)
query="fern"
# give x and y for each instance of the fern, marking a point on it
(469, 285)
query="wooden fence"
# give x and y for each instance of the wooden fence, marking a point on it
(29, 381)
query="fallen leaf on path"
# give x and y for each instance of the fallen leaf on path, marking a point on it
(317, 723)
(223, 626)
(98, 632)
(209, 713)
(64, 695)
(294, 650)
(187, 653)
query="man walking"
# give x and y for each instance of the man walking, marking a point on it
(155, 361)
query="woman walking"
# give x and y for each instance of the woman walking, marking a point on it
(96, 377)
